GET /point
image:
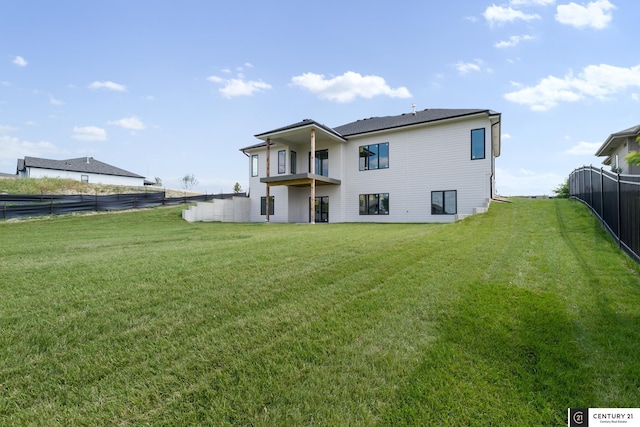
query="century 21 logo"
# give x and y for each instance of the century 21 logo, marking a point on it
(578, 417)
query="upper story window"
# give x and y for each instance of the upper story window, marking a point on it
(294, 160)
(282, 161)
(321, 163)
(254, 165)
(477, 144)
(374, 156)
(84, 178)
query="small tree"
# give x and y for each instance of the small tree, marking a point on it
(189, 181)
(562, 191)
(633, 158)
(237, 188)
(158, 181)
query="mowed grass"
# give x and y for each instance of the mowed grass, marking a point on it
(506, 318)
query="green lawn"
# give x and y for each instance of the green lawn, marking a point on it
(505, 318)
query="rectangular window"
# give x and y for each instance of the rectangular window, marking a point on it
(374, 156)
(84, 178)
(293, 162)
(282, 161)
(477, 144)
(263, 205)
(322, 162)
(254, 165)
(374, 204)
(444, 202)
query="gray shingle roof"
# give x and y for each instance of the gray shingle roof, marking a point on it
(303, 123)
(374, 124)
(81, 164)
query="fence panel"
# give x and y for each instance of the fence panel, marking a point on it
(26, 205)
(615, 200)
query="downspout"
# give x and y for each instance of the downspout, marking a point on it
(312, 171)
(268, 175)
(493, 163)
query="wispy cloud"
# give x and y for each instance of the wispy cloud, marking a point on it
(238, 86)
(595, 15)
(501, 14)
(532, 2)
(595, 81)
(108, 85)
(20, 61)
(347, 87)
(54, 101)
(89, 133)
(513, 41)
(132, 123)
(584, 148)
(12, 148)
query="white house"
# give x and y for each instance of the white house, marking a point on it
(617, 146)
(85, 169)
(435, 165)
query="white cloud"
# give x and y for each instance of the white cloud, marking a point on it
(20, 61)
(513, 41)
(89, 133)
(500, 14)
(7, 129)
(132, 123)
(347, 87)
(108, 85)
(466, 67)
(596, 14)
(635, 96)
(54, 101)
(506, 136)
(595, 81)
(584, 148)
(238, 86)
(532, 2)
(12, 148)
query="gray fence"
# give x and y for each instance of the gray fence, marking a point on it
(22, 205)
(615, 200)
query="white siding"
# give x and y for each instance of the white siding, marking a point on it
(93, 178)
(422, 159)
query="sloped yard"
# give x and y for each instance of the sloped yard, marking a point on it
(505, 318)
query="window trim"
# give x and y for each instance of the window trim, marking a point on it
(293, 161)
(282, 161)
(254, 165)
(365, 166)
(444, 202)
(364, 203)
(84, 178)
(484, 144)
(263, 205)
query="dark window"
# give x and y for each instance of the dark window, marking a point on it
(374, 156)
(322, 162)
(254, 165)
(293, 162)
(282, 161)
(477, 144)
(444, 202)
(263, 205)
(374, 204)
(321, 207)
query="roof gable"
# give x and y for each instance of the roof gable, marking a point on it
(81, 164)
(615, 140)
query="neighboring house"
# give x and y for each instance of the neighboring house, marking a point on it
(85, 169)
(436, 165)
(617, 146)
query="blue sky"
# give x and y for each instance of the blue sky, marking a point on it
(167, 88)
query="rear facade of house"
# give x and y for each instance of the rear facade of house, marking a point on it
(435, 165)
